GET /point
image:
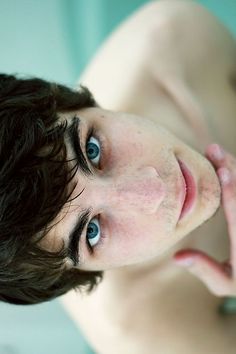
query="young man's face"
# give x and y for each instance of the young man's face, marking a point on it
(135, 193)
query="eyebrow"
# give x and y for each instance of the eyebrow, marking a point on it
(75, 235)
(73, 132)
(76, 232)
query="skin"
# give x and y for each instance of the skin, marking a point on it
(219, 277)
(137, 191)
(161, 306)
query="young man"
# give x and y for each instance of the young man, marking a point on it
(172, 65)
(164, 88)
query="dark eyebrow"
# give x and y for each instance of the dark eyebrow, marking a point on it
(76, 232)
(74, 141)
(75, 235)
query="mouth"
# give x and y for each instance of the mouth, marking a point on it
(190, 190)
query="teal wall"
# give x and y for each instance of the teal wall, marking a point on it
(39, 329)
(54, 39)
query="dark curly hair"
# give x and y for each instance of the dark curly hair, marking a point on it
(35, 183)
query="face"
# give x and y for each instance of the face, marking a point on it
(135, 193)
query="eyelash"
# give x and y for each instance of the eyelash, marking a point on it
(92, 131)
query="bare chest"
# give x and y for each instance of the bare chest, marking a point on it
(181, 318)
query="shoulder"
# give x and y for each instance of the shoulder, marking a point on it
(186, 36)
(162, 39)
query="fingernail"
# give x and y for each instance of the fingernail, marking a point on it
(218, 152)
(186, 262)
(224, 175)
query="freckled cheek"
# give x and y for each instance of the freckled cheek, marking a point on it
(126, 153)
(131, 239)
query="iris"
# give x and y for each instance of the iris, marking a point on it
(92, 230)
(92, 151)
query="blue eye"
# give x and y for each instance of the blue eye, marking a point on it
(93, 150)
(93, 232)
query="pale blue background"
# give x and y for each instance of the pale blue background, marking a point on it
(54, 39)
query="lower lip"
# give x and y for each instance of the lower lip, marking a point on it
(191, 190)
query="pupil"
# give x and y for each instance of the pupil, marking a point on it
(92, 230)
(92, 150)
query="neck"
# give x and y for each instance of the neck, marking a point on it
(199, 130)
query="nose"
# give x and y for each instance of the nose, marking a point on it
(141, 191)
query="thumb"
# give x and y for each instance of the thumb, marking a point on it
(215, 275)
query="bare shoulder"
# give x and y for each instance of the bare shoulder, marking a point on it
(184, 36)
(193, 36)
(163, 38)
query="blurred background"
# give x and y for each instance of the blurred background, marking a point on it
(55, 39)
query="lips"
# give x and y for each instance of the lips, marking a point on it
(191, 190)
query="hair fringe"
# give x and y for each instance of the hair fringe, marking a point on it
(35, 183)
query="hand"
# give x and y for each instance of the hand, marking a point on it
(220, 278)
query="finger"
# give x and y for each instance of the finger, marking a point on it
(219, 157)
(212, 273)
(229, 206)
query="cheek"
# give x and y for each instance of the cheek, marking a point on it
(127, 139)
(130, 145)
(134, 145)
(125, 157)
(133, 239)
